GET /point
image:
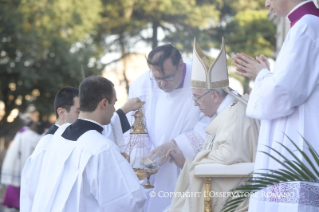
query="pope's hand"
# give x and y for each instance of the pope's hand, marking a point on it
(176, 156)
(161, 151)
(132, 105)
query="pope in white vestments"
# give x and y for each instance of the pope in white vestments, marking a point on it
(170, 115)
(286, 100)
(232, 136)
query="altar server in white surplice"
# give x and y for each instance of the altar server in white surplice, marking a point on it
(82, 170)
(67, 108)
(287, 99)
(171, 118)
(232, 136)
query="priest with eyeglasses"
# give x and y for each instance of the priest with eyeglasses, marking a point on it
(172, 120)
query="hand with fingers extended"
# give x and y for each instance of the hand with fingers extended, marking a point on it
(161, 151)
(248, 66)
(176, 156)
(132, 105)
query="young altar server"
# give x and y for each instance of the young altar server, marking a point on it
(67, 108)
(82, 170)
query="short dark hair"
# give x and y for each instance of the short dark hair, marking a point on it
(64, 99)
(168, 51)
(92, 90)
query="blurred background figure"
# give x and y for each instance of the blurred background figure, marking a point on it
(19, 150)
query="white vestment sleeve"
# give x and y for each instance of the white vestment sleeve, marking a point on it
(191, 142)
(277, 94)
(115, 185)
(113, 131)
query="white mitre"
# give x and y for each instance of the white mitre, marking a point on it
(211, 75)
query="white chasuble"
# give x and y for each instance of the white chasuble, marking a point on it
(286, 100)
(168, 116)
(232, 139)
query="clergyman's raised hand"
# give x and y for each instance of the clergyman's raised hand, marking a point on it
(132, 105)
(248, 66)
(263, 58)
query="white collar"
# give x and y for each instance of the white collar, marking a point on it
(226, 102)
(92, 122)
(297, 6)
(57, 125)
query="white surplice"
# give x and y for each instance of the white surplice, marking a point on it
(113, 132)
(286, 100)
(31, 174)
(31, 171)
(18, 152)
(169, 116)
(86, 175)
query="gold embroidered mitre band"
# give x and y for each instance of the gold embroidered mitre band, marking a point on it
(217, 84)
(207, 74)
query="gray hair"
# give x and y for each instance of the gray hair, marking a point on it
(220, 91)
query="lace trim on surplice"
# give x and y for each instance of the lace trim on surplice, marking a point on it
(301, 193)
(196, 141)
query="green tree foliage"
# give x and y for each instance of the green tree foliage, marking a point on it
(44, 46)
(133, 16)
(243, 24)
(172, 16)
(249, 32)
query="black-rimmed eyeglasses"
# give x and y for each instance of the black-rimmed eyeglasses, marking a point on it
(198, 98)
(166, 78)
